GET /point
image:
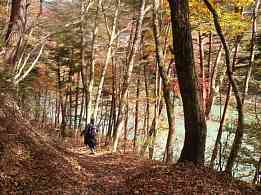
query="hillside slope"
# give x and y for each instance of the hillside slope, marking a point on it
(31, 163)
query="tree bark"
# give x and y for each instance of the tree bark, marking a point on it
(202, 69)
(252, 50)
(84, 10)
(15, 30)
(108, 57)
(113, 106)
(76, 115)
(213, 89)
(195, 124)
(89, 93)
(240, 123)
(257, 177)
(136, 122)
(220, 129)
(126, 125)
(167, 85)
(127, 77)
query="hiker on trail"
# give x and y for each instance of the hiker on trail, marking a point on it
(90, 136)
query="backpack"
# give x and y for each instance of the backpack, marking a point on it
(90, 131)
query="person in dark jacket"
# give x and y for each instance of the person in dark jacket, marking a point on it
(90, 136)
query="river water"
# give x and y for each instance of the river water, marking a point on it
(212, 128)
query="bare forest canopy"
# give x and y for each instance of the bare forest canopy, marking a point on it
(172, 80)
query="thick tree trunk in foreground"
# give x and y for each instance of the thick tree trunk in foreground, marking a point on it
(195, 124)
(15, 30)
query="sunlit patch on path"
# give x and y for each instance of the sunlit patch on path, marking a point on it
(85, 151)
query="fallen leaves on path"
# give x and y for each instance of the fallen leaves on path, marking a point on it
(30, 163)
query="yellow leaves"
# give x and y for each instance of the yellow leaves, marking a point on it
(238, 3)
(3, 13)
(231, 20)
(234, 23)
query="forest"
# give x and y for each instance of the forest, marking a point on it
(130, 97)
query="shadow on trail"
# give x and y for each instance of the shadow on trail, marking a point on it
(107, 172)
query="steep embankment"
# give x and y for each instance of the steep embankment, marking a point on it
(31, 163)
(28, 162)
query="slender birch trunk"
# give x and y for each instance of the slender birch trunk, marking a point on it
(252, 50)
(136, 118)
(92, 66)
(240, 123)
(108, 57)
(167, 88)
(127, 77)
(240, 106)
(85, 6)
(213, 88)
(126, 124)
(257, 177)
(76, 115)
(113, 106)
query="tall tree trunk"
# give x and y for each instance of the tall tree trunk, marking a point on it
(81, 111)
(62, 101)
(16, 29)
(126, 124)
(202, 69)
(92, 66)
(167, 85)
(195, 124)
(76, 115)
(152, 130)
(147, 104)
(152, 134)
(240, 123)
(57, 105)
(209, 53)
(213, 89)
(136, 118)
(70, 92)
(108, 57)
(220, 129)
(240, 128)
(44, 113)
(127, 77)
(222, 122)
(113, 106)
(209, 74)
(252, 50)
(84, 9)
(257, 177)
